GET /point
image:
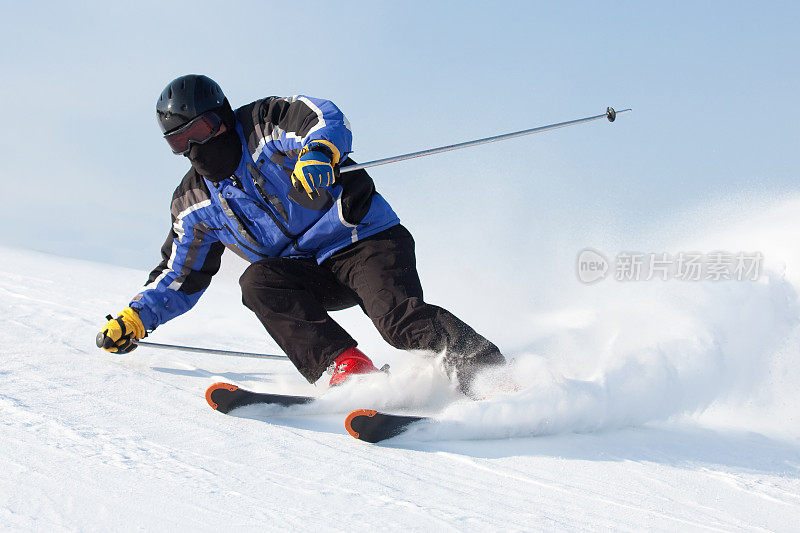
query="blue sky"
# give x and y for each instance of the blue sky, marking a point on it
(714, 88)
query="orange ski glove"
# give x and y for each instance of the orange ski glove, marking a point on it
(314, 167)
(120, 334)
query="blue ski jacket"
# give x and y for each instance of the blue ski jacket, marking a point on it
(256, 212)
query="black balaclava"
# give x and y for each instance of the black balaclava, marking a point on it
(218, 158)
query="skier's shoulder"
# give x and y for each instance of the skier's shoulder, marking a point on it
(252, 118)
(274, 109)
(190, 194)
(250, 115)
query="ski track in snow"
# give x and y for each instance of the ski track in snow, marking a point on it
(94, 442)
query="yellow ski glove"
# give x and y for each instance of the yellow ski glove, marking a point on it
(314, 167)
(120, 334)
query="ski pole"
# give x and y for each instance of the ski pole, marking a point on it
(210, 351)
(610, 114)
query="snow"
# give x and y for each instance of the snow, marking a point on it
(657, 406)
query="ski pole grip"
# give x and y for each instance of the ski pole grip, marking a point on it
(100, 339)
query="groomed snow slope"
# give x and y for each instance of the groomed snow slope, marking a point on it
(623, 425)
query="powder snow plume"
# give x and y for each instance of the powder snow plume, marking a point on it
(625, 354)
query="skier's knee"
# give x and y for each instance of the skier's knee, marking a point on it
(248, 278)
(256, 274)
(253, 278)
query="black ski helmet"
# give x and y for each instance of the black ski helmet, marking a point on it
(185, 98)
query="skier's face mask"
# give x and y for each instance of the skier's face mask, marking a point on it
(218, 158)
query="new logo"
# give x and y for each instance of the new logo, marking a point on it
(592, 266)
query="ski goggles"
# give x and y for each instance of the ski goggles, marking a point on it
(199, 130)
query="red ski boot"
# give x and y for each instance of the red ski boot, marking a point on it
(350, 361)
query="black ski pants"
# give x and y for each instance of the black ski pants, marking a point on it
(292, 297)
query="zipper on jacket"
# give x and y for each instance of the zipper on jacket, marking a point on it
(260, 184)
(241, 244)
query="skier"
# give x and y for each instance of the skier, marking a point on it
(264, 183)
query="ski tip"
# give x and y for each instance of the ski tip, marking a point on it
(215, 387)
(348, 422)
